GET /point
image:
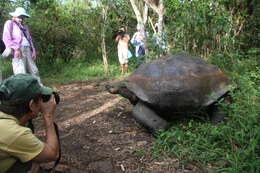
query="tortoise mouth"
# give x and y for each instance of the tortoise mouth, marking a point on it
(110, 88)
(115, 87)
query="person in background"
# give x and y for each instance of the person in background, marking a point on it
(21, 100)
(122, 39)
(161, 44)
(16, 36)
(137, 41)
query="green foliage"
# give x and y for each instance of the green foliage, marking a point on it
(205, 26)
(61, 31)
(5, 8)
(70, 30)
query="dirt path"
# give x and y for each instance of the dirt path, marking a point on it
(99, 135)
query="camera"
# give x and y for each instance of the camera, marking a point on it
(46, 98)
(121, 33)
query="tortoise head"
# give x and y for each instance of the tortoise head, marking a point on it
(115, 87)
(121, 88)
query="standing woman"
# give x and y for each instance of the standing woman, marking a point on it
(138, 41)
(16, 36)
(122, 39)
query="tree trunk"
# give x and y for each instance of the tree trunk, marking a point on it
(103, 36)
(141, 20)
(160, 20)
(158, 7)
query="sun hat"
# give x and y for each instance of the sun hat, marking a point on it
(21, 88)
(19, 12)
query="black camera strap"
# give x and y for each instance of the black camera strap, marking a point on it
(42, 170)
(59, 157)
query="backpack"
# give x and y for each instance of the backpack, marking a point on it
(141, 51)
(2, 46)
(7, 51)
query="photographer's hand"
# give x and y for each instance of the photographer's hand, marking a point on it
(51, 148)
(48, 109)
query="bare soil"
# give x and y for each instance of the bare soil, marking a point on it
(99, 135)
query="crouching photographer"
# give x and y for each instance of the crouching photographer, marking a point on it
(22, 99)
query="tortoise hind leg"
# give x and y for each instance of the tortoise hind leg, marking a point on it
(216, 114)
(148, 118)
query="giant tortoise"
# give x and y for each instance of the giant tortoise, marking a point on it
(171, 86)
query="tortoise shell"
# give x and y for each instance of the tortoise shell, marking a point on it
(178, 82)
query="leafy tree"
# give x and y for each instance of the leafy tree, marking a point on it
(6, 6)
(206, 26)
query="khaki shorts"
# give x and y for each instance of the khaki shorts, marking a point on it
(122, 55)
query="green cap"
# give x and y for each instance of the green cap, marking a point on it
(21, 88)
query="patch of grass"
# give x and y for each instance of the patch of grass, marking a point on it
(78, 70)
(6, 68)
(57, 71)
(141, 152)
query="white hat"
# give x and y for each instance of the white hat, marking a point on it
(19, 12)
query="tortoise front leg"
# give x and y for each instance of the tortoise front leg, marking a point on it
(148, 118)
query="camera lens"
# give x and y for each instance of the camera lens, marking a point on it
(46, 98)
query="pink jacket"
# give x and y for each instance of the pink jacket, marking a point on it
(14, 39)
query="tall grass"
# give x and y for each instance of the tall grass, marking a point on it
(58, 71)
